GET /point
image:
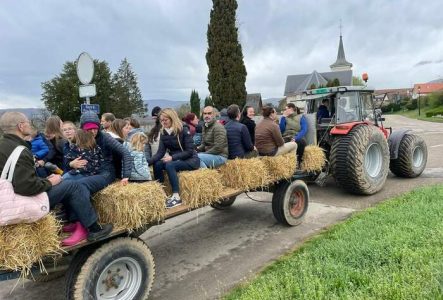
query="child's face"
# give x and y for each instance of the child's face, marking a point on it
(68, 131)
(126, 130)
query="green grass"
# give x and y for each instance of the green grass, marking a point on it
(413, 114)
(391, 251)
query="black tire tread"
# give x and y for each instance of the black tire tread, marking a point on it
(278, 199)
(402, 166)
(224, 203)
(347, 160)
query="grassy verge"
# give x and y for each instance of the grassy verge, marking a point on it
(391, 251)
(413, 114)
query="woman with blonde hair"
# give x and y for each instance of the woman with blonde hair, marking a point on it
(182, 156)
(54, 134)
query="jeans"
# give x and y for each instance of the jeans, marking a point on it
(97, 182)
(76, 199)
(69, 176)
(211, 160)
(171, 167)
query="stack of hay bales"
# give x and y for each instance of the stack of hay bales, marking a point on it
(245, 174)
(23, 245)
(198, 188)
(281, 166)
(132, 206)
(314, 159)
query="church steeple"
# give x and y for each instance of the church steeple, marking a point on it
(341, 63)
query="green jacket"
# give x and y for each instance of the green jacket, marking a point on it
(25, 181)
(214, 140)
(292, 125)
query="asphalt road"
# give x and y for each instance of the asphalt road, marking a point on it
(202, 254)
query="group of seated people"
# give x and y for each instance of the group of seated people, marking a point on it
(101, 151)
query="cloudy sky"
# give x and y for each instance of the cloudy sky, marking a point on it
(397, 42)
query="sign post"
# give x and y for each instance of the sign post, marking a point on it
(85, 73)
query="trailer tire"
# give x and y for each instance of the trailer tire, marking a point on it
(360, 160)
(290, 202)
(412, 157)
(224, 203)
(74, 268)
(123, 267)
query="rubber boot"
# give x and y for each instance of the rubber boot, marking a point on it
(80, 233)
(70, 227)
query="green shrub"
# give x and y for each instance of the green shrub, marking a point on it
(396, 107)
(412, 104)
(386, 108)
(436, 99)
(434, 112)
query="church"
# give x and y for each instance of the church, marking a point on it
(341, 70)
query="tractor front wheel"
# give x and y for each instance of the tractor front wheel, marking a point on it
(360, 160)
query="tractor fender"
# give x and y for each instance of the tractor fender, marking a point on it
(394, 141)
(343, 129)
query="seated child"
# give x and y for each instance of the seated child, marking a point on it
(83, 147)
(140, 169)
(40, 150)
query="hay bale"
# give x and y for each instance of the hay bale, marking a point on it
(281, 166)
(314, 159)
(23, 245)
(132, 206)
(244, 174)
(198, 188)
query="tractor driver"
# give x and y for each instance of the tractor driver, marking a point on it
(293, 127)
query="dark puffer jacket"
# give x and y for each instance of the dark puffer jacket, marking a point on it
(239, 141)
(178, 151)
(112, 150)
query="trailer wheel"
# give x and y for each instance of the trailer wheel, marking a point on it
(74, 268)
(412, 157)
(360, 159)
(224, 203)
(290, 202)
(120, 269)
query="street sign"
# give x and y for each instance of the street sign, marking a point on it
(90, 107)
(87, 90)
(85, 68)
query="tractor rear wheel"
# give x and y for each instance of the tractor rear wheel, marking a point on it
(360, 160)
(412, 157)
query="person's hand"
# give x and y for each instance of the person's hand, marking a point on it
(167, 158)
(54, 179)
(255, 148)
(78, 163)
(41, 163)
(285, 113)
(124, 181)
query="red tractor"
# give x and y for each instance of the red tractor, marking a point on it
(359, 149)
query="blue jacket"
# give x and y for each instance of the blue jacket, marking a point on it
(323, 112)
(239, 140)
(303, 125)
(179, 151)
(39, 147)
(140, 167)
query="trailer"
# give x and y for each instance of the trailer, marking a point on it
(121, 265)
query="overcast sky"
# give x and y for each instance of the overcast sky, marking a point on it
(397, 42)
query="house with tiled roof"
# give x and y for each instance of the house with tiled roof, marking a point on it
(425, 89)
(387, 96)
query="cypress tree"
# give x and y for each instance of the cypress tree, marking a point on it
(195, 102)
(227, 72)
(208, 101)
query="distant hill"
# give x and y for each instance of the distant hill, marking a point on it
(29, 112)
(274, 101)
(440, 80)
(164, 103)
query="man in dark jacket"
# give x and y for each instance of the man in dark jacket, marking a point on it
(76, 197)
(113, 153)
(239, 140)
(214, 147)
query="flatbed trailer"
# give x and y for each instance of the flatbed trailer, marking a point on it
(121, 266)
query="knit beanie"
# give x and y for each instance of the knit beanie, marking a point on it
(89, 117)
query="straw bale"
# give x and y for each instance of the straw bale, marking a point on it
(314, 159)
(245, 174)
(23, 245)
(280, 166)
(131, 206)
(197, 188)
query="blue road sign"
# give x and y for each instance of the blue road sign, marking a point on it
(90, 107)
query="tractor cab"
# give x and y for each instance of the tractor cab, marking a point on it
(338, 105)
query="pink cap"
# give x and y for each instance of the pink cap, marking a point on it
(89, 126)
